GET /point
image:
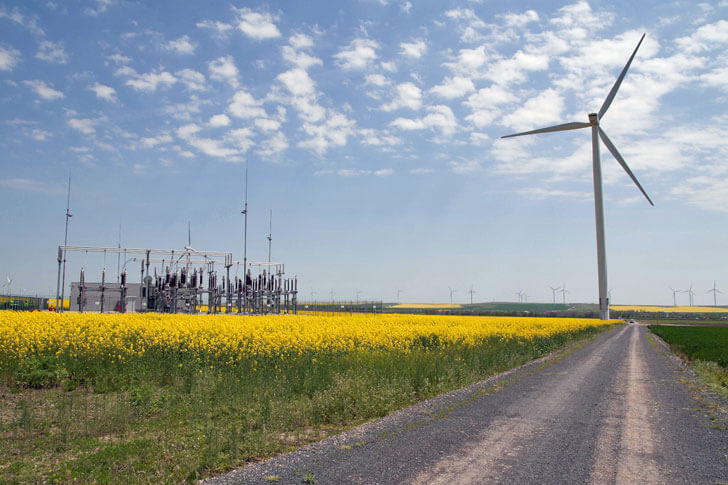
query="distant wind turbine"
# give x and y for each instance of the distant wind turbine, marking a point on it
(691, 293)
(452, 292)
(715, 291)
(674, 292)
(597, 133)
(553, 291)
(563, 292)
(472, 291)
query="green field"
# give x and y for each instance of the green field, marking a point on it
(698, 343)
(706, 349)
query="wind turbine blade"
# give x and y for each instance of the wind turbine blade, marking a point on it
(613, 150)
(566, 126)
(615, 88)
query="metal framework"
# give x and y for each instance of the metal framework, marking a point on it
(180, 288)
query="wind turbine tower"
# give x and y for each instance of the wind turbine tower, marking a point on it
(598, 133)
(472, 291)
(714, 291)
(553, 291)
(563, 292)
(452, 292)
(674, 292)
(691, 294)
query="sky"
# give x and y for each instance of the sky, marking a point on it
(371, 129)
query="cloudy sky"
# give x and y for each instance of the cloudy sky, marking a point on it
(371, 129)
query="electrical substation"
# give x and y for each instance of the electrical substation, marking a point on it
(183, 281)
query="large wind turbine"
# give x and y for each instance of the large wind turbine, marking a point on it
(597, 133)
(715, 292)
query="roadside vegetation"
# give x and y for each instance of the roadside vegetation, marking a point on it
(705, 348)
(174, 398)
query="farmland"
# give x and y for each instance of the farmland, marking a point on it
(103, 397)
(705, 347)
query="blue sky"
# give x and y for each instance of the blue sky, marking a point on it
(371, 129)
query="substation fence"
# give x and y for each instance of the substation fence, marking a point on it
(23, 303)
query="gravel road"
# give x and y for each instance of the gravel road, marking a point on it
(620, 409)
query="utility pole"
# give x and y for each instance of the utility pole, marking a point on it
(245, 243)
(65, 243)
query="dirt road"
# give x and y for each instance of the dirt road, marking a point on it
(619, 409)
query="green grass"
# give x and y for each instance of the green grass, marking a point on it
(153, 420)
(705, 348)
(697, 343)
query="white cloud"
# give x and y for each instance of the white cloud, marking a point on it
(538, 111)
(181, 45)
(334, 131)
(578, 21)
(104, 92)
(384, 172)
(408, 96)
(9, 57)
(266, 124)
(464, 167)
(358, 55)
(300, 41)
(707, 37)
(406, 7)
(221, 29)
(521, 19)
(256, 25)
(148, 82)
(241, 138)
(469, 61)
(119, 59)
(101, 7)
(85, 125)
(376, 80)
(303, 94)
(440, 117)
(52, 52)
(378, 138)
(41, 135)
(219, 120)
(151, 142)
(244, 105)
(454, 87)
(43, 90)
(273, 145)
(223, 69)
(413, 49)
(188, 131)
(300, 59)
(193, 80)
(30, 23)
(352, 172)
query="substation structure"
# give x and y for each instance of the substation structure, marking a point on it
(187, 282)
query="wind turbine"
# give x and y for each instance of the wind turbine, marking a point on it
(553, 291)
(597, 133)
(674, 292)
(520, 296)
(452, 291)
(690, 293)
(563, 292)
(715, 291)
(471, 294)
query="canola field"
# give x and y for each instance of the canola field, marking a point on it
(231, 339)
(139, 398)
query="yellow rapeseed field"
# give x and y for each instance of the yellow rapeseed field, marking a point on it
(417, 306)
(232, 338)
(668, 309)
